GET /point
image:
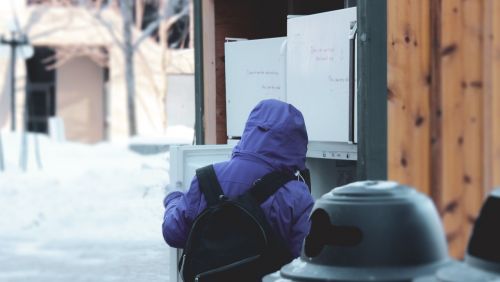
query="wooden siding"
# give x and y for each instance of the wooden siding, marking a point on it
(443, 105)
(408, 92)
(495, 92)
(492, 92)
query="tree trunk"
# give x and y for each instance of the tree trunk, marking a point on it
(163, 36)
(128, 51)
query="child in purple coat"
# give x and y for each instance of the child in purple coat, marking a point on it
(275, 138)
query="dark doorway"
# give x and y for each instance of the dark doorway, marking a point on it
(40, 91)
(307, 7)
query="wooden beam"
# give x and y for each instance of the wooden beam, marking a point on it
(409, 80)
(452, 153)
(495, 92)
(491, 59)
(209, 78)
(473, 124)
(436, 164)
(488, 94)
(461, 127)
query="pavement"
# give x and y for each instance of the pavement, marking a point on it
(76, 260)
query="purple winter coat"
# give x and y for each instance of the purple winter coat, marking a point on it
(274, 138)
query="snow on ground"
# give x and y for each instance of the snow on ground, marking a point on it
(86, 197)
(102, 191)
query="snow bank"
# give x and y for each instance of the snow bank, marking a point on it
(82, 191)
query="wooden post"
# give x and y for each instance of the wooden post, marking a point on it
(209, 71)
(473, 123)
(409, 81)
(461, 89)
(495, 92)
(491, 69)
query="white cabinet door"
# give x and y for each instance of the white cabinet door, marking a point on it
(184, 160)
(317, 69)
(255, 70)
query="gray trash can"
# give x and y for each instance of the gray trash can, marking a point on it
(370, 231)
(482, 260)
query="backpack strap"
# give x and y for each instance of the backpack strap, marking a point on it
(209, 185)
(266, 186)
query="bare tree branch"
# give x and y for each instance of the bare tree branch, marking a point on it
(139, 13)
(184, 38)
(163, 38)
(162, 30)
(65, 53)
(110, 29)
(98, 4)
(152, 26)
(191, 24)
(97, 14)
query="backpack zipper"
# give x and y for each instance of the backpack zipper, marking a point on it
(225, 267)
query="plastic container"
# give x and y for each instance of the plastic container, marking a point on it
(370, 231)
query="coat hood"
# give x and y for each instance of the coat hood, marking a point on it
(276, 133)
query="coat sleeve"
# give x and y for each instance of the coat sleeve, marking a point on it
(180, 211)
(301, 224)
(289, 215)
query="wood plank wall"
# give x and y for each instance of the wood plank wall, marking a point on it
(444, 104)
(409, 76)
(494, 59)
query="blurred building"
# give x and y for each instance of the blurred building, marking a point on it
(77, 72)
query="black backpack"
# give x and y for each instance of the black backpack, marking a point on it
(231, 239)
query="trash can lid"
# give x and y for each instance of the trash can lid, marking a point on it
(301, 270)
(495, 193)
(370, 189)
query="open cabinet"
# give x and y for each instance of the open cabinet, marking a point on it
(246, 49)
